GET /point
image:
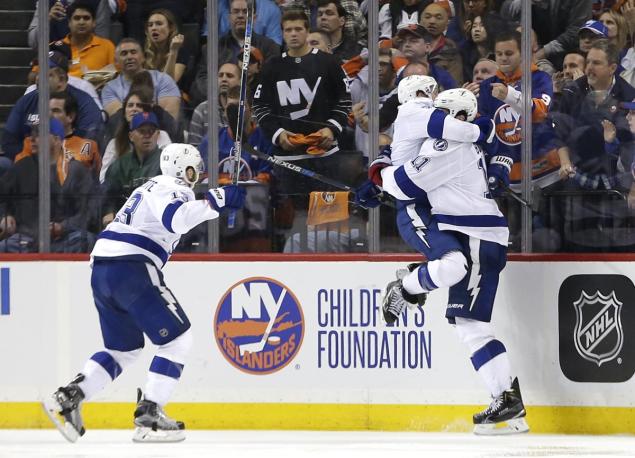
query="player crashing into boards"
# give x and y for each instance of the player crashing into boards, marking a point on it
(459, 227)
(132, 298)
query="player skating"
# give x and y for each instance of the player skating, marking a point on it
(452, 177)
(132, 298)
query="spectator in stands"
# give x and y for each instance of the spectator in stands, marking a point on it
(617, 31)
(399, 13)
(58, 20)
(164, 50)
(137, 101)
(267, 22)
(25, 112)
(303, 128)
(415, 44)
(485, 68)
(590, 32)
(228, 77)
(355, 25)
(130, 58)
(572, 69)
(88, 51)
(230, 44)
(359, 94)
(480, 42)
(63, 107)
(142, 82)
(319, 39)
(69, 201)
(443, 51)
(253, 70)
(135, 167)
(138, 12)
(74, 81)
(467, 10)
(557, 23)
(331, 17)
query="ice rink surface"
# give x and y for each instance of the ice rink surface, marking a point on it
(264, 444)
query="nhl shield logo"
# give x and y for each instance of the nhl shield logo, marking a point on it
(598, 333)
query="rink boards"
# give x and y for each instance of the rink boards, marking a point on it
(301, 345)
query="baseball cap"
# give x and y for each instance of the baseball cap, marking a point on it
(57, 59)
(55, 127)
(414, 29)
(596, 27)
(447, 6)
(142, 118)
(628, 105)
(255, 53)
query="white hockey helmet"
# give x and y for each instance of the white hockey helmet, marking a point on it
(458, 101)
(182, 161)
(411, 85)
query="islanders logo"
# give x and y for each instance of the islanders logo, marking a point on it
(259, 325)
(507, 122)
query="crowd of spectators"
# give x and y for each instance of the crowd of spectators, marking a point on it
(118, 97)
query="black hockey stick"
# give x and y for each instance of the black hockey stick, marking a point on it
(306, 172)
(231, 220)
(519, 199)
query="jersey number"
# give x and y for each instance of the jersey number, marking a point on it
(126, 213)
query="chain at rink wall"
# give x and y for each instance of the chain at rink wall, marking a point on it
(301, 345)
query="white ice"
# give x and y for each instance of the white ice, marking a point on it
(297, 444)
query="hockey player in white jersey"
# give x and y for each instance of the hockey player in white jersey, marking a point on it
(132, 298)
(453, 177)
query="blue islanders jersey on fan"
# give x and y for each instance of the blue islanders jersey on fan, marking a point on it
(417, 120)
(151, 222)
(506, 114)
(454, 178)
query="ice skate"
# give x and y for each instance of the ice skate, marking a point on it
(505, 415)
(153, 425)
(397, 298)
(63, 408)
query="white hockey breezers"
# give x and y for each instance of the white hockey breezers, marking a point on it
(513, 426)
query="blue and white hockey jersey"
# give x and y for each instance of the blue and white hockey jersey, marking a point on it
(152, 220)
(417, 120)
(453, 176)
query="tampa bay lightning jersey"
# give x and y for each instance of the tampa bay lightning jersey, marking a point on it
(417, 120)
(453, 176)
(151, 222)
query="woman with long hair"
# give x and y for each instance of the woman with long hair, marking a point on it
(164, 48)
(139, 99)
(479, 43)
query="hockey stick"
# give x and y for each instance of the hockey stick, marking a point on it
(519, 199)
(255, 347)
(306, 172)
(238, 133)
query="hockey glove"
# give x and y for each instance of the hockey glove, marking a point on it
(230, 197)
(375, 168)
(367, 195)
(487, 127)
(498, 175)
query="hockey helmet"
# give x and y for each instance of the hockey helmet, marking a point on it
(182, 161)
(458, 101)
(411, 85)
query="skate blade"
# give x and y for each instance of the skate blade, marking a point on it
(144, 434)
(51, 409)
(513, 426)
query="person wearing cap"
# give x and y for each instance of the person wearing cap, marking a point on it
(443, 51)
(415, 43)
(590, 32)
(135, 166)
(69, 200)
(89, 117)
(331, 17)
(253, 69)
(58, 20)
(230, 44)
